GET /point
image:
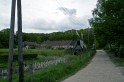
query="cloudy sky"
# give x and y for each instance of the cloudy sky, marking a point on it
(45, 16)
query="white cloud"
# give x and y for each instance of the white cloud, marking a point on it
(41, 25)
(47, 15)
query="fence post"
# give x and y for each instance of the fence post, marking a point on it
(30, 73)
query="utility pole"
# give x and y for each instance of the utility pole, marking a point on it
(11, 41)
(20, 55)
(88, 36)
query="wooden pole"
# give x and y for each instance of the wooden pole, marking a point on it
(20, 55)
(30, 73)
(11, 41)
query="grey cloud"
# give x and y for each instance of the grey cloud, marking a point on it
(67, 11)
(68, 23)
(44, 25)
(74, 23)
(4, 23)
(5, 7)
(40, 25)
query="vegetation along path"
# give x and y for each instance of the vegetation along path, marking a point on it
(101, 69)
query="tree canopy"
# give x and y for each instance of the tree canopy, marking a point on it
(41, 37)
(108, 22)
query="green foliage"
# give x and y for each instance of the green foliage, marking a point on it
(88, 34)
(107, 22)
(41, 37)
(4, 40)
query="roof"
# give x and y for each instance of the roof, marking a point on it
(30, 43)
(57, 43)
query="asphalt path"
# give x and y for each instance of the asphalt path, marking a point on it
(101, 69)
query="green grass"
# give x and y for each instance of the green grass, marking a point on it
(60, 71)
(117, 60)
(34, 51)
(4, 51)
(45, 52)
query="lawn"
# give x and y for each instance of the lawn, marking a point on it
(35, 51)
(29, 55)
(58, 72)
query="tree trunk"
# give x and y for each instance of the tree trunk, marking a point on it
(20, 56)
(11, 41)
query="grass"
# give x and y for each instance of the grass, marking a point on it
(34, 51)
(45, 52)
(117, 60)
(60, 71)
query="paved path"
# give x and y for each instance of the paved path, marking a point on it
(101, 69)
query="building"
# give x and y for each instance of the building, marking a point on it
(30, 45)
(65, 44)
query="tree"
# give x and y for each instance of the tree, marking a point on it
(4, 40)
(107, 22)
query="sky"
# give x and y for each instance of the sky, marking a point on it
(46, 16)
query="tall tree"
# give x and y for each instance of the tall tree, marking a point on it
(108, 18)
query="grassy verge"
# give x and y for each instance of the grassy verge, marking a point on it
(118, 61)
(60, 71)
